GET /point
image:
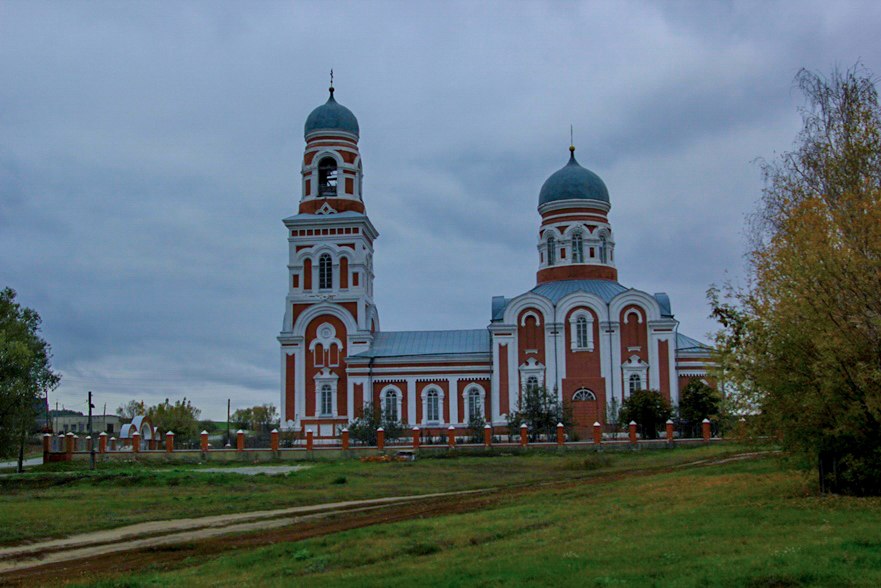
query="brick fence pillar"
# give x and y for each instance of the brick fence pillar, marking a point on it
(561, 434)
(632, 427)
(451, 436)
(203, 441)
(273, 440)
(136, 442)
(240, 440)
(345, 439)
(705, 429)
(89, 443)
(62, 443)
(113, 444)
(415, 437)
(380, 438)
(169, 441)
(524, 435)
(487, 435)
(597, 433)
(68, 447)
(102, 443)
(670, 431)
(47, 444)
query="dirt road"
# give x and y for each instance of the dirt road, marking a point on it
(91, 555)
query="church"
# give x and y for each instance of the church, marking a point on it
(578, 332)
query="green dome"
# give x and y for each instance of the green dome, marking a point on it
(573, 182)
(332, 116)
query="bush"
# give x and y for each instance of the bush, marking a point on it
(476, 425)
(697, 402)
(648, 409)
(541, 410)
(363, 429)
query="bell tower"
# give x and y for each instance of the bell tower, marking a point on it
(329, 309)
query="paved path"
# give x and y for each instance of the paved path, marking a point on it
(27, 463)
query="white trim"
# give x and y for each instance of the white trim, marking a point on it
(466, 400)
(440, 405)
(399, 396)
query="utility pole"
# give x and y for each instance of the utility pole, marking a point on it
(227, 423)
(92, 444)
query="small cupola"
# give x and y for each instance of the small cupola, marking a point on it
(330, 117)
(573, 182)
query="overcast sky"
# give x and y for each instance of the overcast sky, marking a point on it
(148, 152)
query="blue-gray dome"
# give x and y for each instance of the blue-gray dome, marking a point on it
(573, 182)
(332, 116)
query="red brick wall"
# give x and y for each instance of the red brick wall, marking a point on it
(311, 370)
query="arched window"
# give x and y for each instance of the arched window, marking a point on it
(327, 177)
(531, 384)
(432, 406)
(325, 272)
(635, 383)
(390, 406)
(552, 250)
(603, 255)
(577, 248)
(581, 332)
(584, 394)
(326, 400)
(474, 404)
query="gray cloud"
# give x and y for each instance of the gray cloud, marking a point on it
(148, 152)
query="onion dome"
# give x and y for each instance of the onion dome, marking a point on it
(573, 182)
(331, 116)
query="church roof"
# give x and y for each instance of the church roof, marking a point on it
(408, 343)
(573, 182)
(306, 216)
(331, 116)
(557, 290)
(687, 344)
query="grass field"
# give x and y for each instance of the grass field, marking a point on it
(61, 499)
(629, 520)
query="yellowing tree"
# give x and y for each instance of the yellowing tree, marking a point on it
(802, 342)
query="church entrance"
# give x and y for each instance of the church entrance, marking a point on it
(585, 412)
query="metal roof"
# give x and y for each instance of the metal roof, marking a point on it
(346, 214)
(331, 116)
(573, 182)
(556, 291)
(407, 343)
(686, 343)
(664, 303)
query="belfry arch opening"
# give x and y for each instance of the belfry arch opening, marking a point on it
(327, 177)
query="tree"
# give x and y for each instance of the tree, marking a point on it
(180, 417)
(25, 373)
(541, 410)
(698, 401)
(648, 409)
(131, 409)
(365, 426)
(801, 341)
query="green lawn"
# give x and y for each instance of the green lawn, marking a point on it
(747, 523)
(64, 499)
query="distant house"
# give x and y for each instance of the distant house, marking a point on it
(78, 423)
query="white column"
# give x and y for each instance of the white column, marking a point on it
(674, 377)
(654, 382)
(411, 401)
(454, 399)
(494, 383)
(350, 398)
(513, 376)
